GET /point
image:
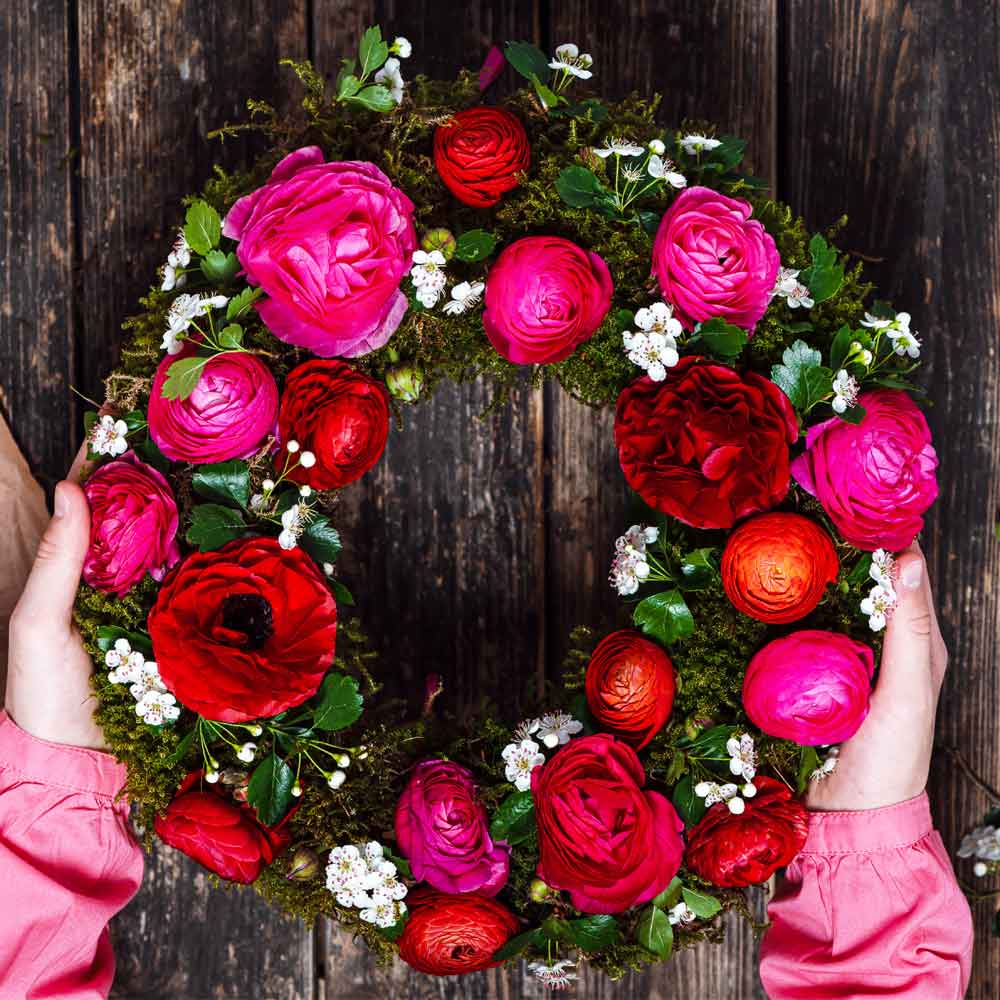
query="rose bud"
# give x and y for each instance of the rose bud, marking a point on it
(305, 865)
(329, 243)
(244, 632)
(544, 297)
(230, 413)
(538, 891)
(405, 382)
(812, 687)
(695, 724)
(133, 525)
(733, 850)
(601, 837)
(480, 154)
(775, 567)
(338, 414)
(706, 445)
(224, 837)
(877, 478)
(630, 686)
(713, 261)
(440, 239)
(443, 831)
(453, 935)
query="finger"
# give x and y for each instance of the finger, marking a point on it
(906, 654)
(55, 575)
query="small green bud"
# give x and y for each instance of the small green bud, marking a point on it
(439, 239)
(304, 866)
(539, 891)
(695, 724)
(405, 382)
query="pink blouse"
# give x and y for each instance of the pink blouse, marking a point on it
(870, 908)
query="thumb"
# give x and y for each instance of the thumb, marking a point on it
(906, 654)
(55, 575)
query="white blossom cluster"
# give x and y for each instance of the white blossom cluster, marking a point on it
(178, 259)
(881, 599)
(742, 764)
(362, 878)
(108, 436)
(155, 705)
(653, 347)
(570, 61)
(184, 310)
(553, 729)
(655, 166)
(904, 340)
(429, 279)
(557, 976)
(983, 843)
(695, 143)
(788, 287)
(629, 567)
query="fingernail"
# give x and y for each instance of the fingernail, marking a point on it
(60, 505)
(913, 573)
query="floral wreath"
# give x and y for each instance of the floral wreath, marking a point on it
(398, 234)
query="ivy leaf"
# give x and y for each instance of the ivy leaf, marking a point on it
(594, 933)
(182, 378)
(579, 187)
(239, 305)
(270, 789)
(514, 820)
(202, 227)
(529, 939)
(373, 51)
(701, 904)
(218, 267)
(698, 569)
(475, 245)
(375, 98)
(802, 377)
(664, 616)
(340, 703)
(527, 59)
(826, 275)
(808, 762)
(690, 807)
(321, 540)
(213, 525)
(721, 339)
(654, 932)
(225, 482)
(231, 337)
(182, 748)
(670, 896)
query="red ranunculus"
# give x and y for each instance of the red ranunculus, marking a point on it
(601, 837)
(733, 851)
(630, 686)
(707, 445)
(340, 415)
(451, 935)
(245, 632)
(480, 154)
(224, 836)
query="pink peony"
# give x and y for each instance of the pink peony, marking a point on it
(712, 260)
(232, 410)
(133, 528)
(442, 829)
(329, 243)
(544, 297)
(875, 479)
(811, 687)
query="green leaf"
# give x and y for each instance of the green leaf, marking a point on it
(590, 109)
(182, 378)
(182, 748)
(860, 573)
(134, 420)
(549, 98)
(578, 186)
(728, 155)
(675, 768)
(649, 221)
(321, 540)
(231, 337)
(529, 939)
(270, 789)
(808, 762)
(594, 933)
(664, 616)
(218, 267)
(840, 347)
(527, 59)
(654, 932)
(712, 743)
(107, 635)
(670, 896)
(395, 932)
(802, 377)
(225, 482)
(721, 339)
(202, 227)
(402, 865)
(149, 451)
(347, 86)
(340, 703)
(514, 820)
(701, 904)
(212, 526)
(475, 245)
(341, 594)
(374, 98)
(239, 305)
(372, 51)
(853, 415)
(826, 275)
(698, 570)
(690, 807)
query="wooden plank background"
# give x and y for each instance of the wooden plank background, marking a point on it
(477, 545)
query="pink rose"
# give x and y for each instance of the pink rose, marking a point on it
(133, 526)
(232, 410)
(811, 687)
(713, 260)
(875, 479)
(329, 243)
(442, 830)
(544, 297)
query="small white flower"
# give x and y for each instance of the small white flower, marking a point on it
(982, 843)
(883, 568)
(374, 852)
(464, 296)
(845, 391)
(828, 765)
(428, 277)
(629, 567)
(212, 777)
(292, 525)
(785, 282)
(384, 913)
(305, 490)
(402, 47)
(556, 728)
(557, 976)
(799, 296)
(876, 322)
(681, 914)
(653, 352)
(158, 707)
(695, 143)
(178, 259)
(904, 342)
(337, 779)
(108, 436)
(391, 78)
(663, 170)
(744, 756)
(656, 146)
(631, 174)
(292, 447)
(383, 882)
(979, 869)
(659, 318)
(526, 730)
(307, 460)
(173, 342)
(184, 310)
(247, 753)
(346, 866)
(146, 679)
(736, 805)
(570, 60)
(521, 758)
(878, 605)
(712, 792)
(618, 146)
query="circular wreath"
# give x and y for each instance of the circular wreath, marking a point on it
(400, 234)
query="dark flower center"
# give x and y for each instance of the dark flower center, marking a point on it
(250, 614)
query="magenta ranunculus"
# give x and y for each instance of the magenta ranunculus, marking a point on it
(877, 478)
(233, 408)
(443, 831)
(133, 525)
(544, 297)
(329, 243)
(811, 687)
(713, 261)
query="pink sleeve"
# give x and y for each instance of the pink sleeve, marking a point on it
(870, 908)
(68, 863)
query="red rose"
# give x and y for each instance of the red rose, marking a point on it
(479, 154)
(734, 851)
(451, 935)
(707, 445)
(603, 839)
(340, 415)
(224, 836)
(630, 686)
(245, 632)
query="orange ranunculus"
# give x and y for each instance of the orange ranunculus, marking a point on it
(776, 567)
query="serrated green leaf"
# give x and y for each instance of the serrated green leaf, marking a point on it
(578, 186)
(808, 762)
(225, 482)
(690, 807)
(513, 820)
(340, 703)
(373, 51)
(698, 569)
(134, 420)
(826, 275)
(182, 378)
(270, 789)
(239, 305)
(516, 945)
(202, 227)
(654, 933)
(347, 86)
(860, 572)
(594, 933)
(527, 59)
(701, 904)
(218, 267)
(231, 337)
(321, 540)
(793, 376)
(721, 339)
(664, 616)
(213, 525)
(182, 748)
(670, 896)
(475, 245)
(374, 97)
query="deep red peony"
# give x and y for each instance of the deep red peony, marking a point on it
(224, 836)
(776, 567)
(630, 686)
(340, 415)
(734, 851)
(707, 445)
(480, 154)
(601, 838)
(451, 935)
(245, 632)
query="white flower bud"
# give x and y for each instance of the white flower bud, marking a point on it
(328, 569)
(749, 790)
(256, 731)
(307, 460)
(979, 869)
(551, 740)
(211, 777)
(305, 490)
(296, 790)
(342, 760)
(736, 805)
(293, 446)
(267, 485)
(337, 779)
(247, 752)
(657, 147)
(702, 789)
(866, 357)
